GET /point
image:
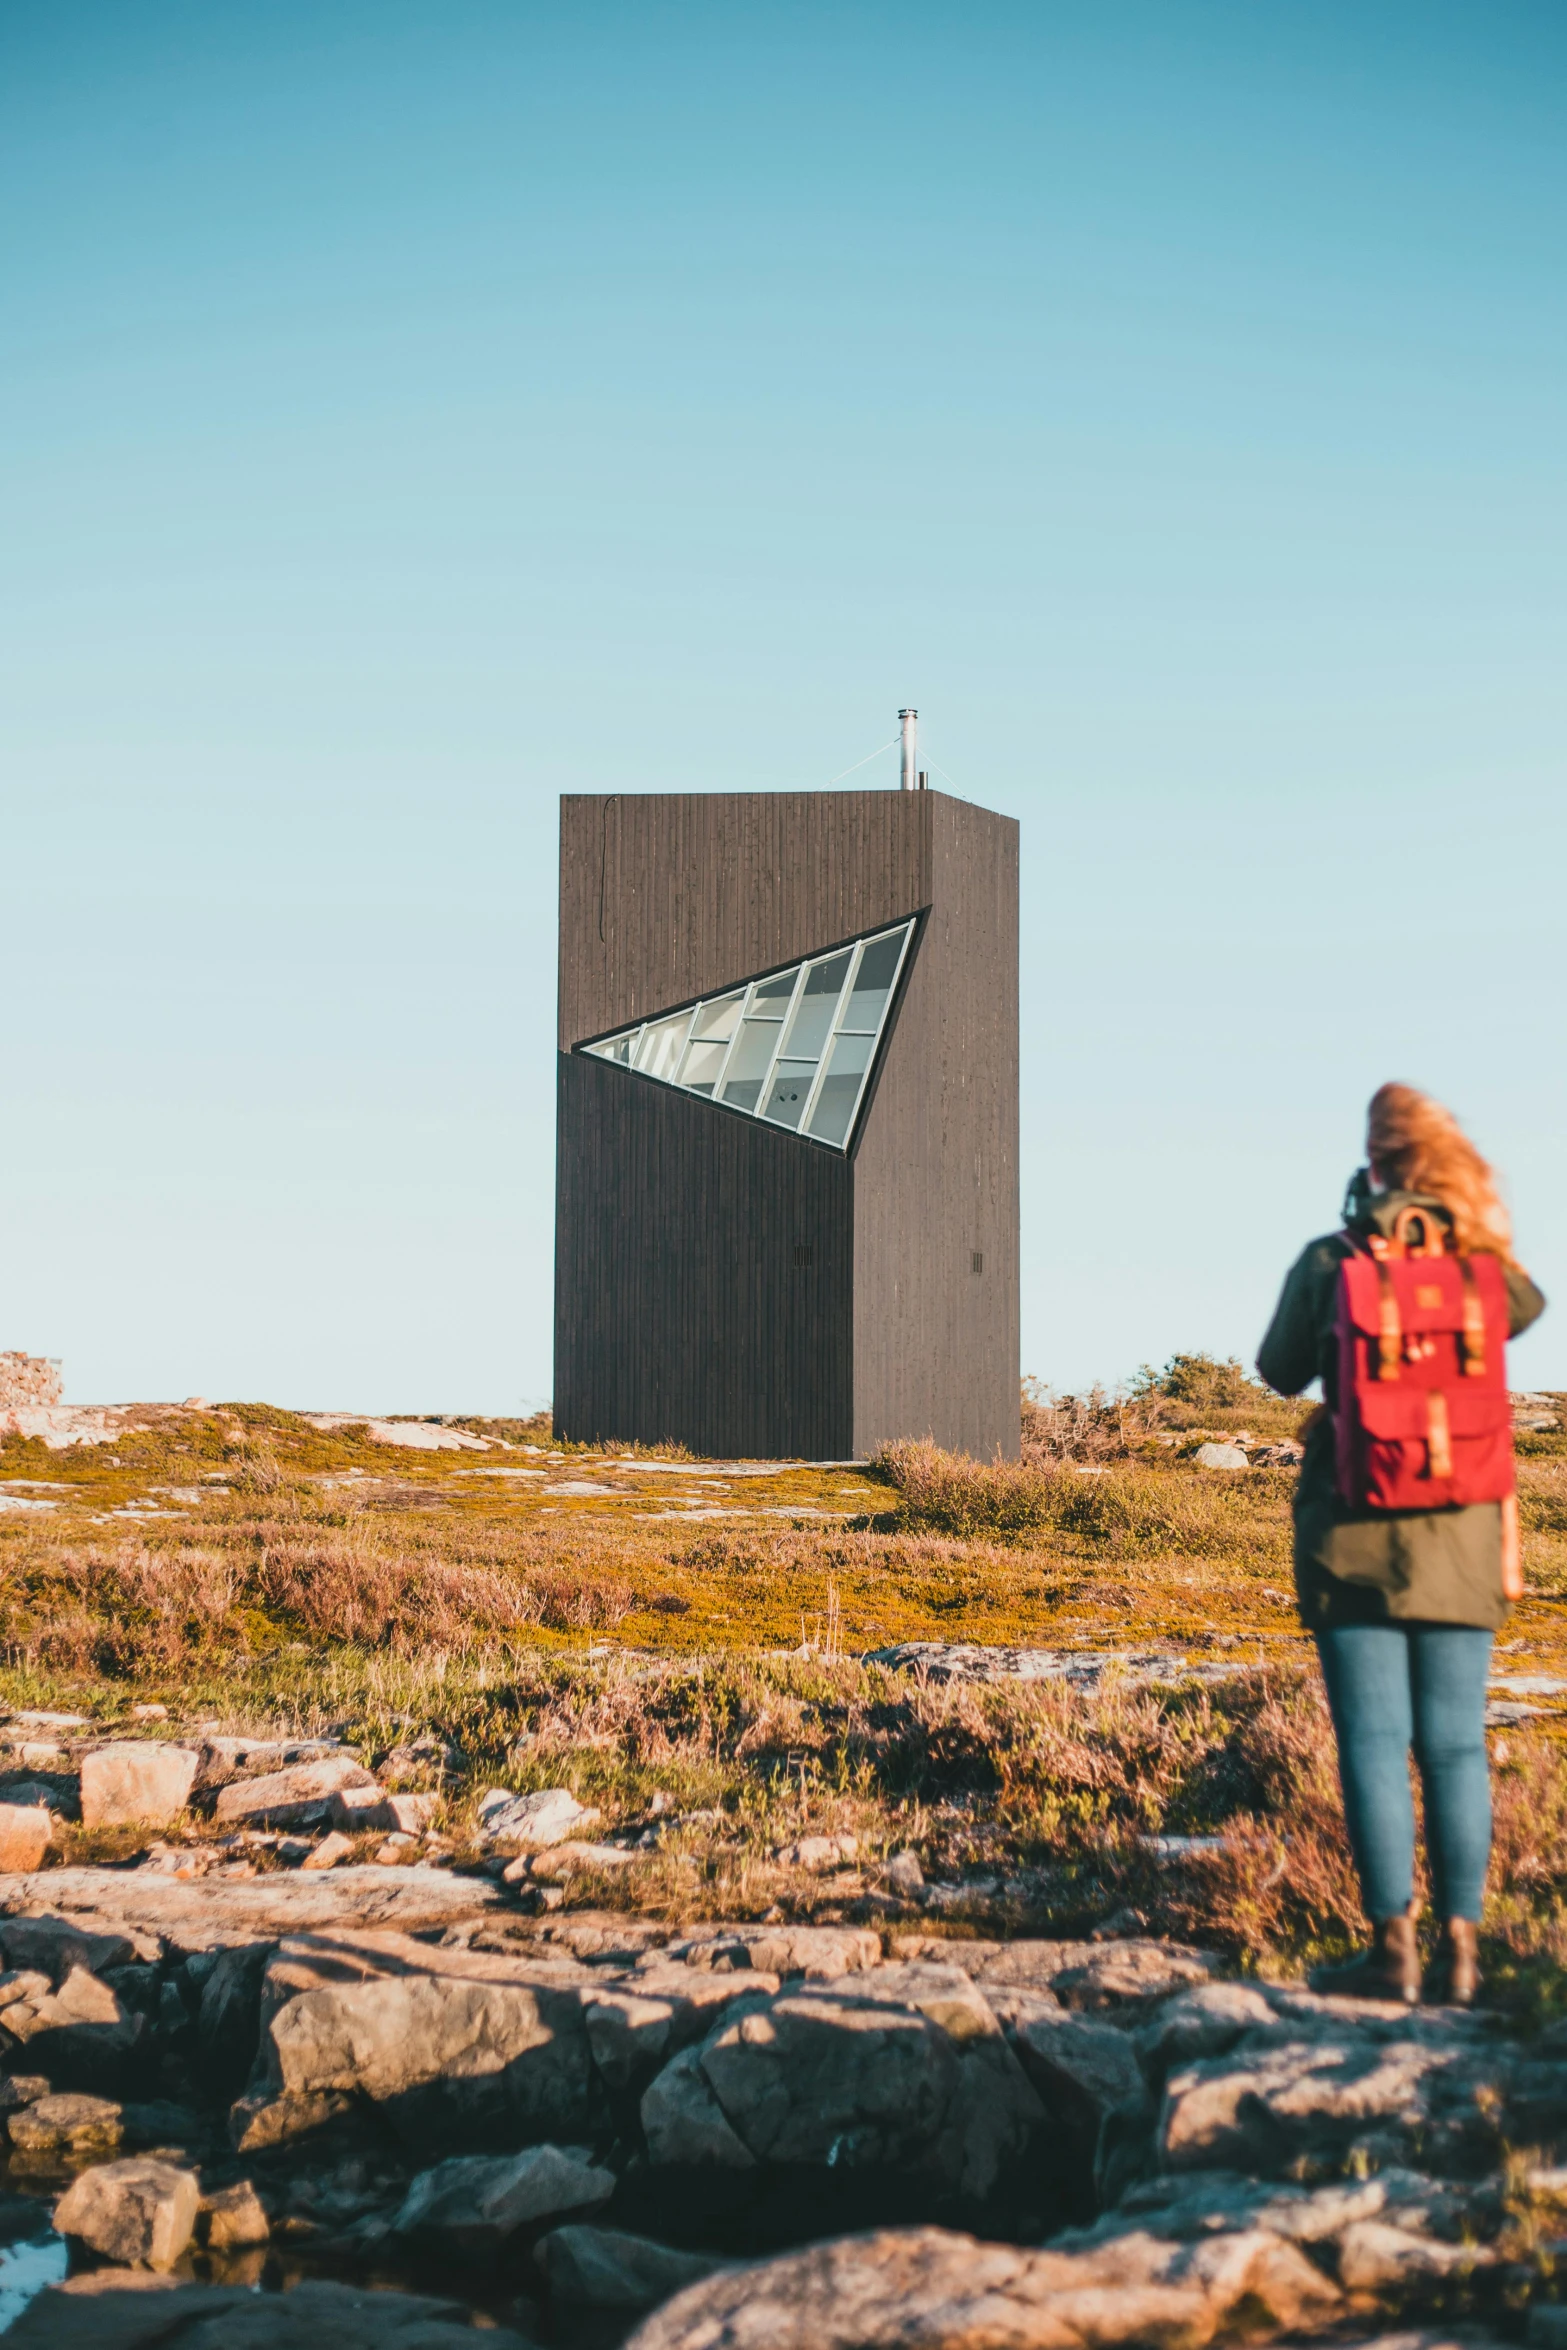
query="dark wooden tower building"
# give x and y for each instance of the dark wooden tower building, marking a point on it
(787, 1192)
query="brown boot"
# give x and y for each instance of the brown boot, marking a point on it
(1390, 1969)
(1454, 1979)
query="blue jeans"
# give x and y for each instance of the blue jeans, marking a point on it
(1392, 1686)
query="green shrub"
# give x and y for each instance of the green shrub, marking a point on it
(1202, 1382)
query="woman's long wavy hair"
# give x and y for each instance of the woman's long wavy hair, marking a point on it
(1414, 1144)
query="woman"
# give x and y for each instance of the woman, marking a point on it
(1403, 1603)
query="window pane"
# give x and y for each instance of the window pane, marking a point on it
(718, 1018)
(873, 983)
(786, 1095)
(614, 1048)
(775, 992)
(813, 1014)
(748, 1065)
(702, 1064)
(710, 1034)
(834, 1111)
(658, 1055)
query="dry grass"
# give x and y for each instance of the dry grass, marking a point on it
(1144, 1511)
(126, 1610)
(946, 1493)
(620, 1641)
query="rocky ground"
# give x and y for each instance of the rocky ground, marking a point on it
(416, 2107)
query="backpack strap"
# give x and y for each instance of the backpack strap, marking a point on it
(1390, 1327)
(1473, 1343)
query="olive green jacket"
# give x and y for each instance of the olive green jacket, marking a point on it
(1366, 1566)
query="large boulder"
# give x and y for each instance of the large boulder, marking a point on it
(136, 2211)
(1377, 2257)
(136, 1783)
(477, 2202)
(904, 2069)
(926, 2289)
(574, 1859)
(456, 2047)
(117, 2309)
(360, 1810)
(1187, 2205)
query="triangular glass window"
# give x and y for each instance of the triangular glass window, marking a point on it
(794, 1047)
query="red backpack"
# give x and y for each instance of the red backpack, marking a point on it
(1423, 1418)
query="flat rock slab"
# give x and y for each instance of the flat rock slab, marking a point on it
(1462, 2215)
(1093, 1976)
(353, 1954)
(821, 1953)
(216, 1914)
(221, 1759)
(296, 1797)
(1401, 2087)
(928, 2289)
(605, 1935)
(1078, 1668)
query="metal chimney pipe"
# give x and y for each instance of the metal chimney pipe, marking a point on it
(910, 778)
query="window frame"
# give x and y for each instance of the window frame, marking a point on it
(906, 931)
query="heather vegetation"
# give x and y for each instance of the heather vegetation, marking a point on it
(722, 1659)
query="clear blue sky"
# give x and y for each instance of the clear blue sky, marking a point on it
(410, 413)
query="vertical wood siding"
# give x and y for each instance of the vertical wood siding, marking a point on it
(681, 1313)
(936, 1345)
(694, 891)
